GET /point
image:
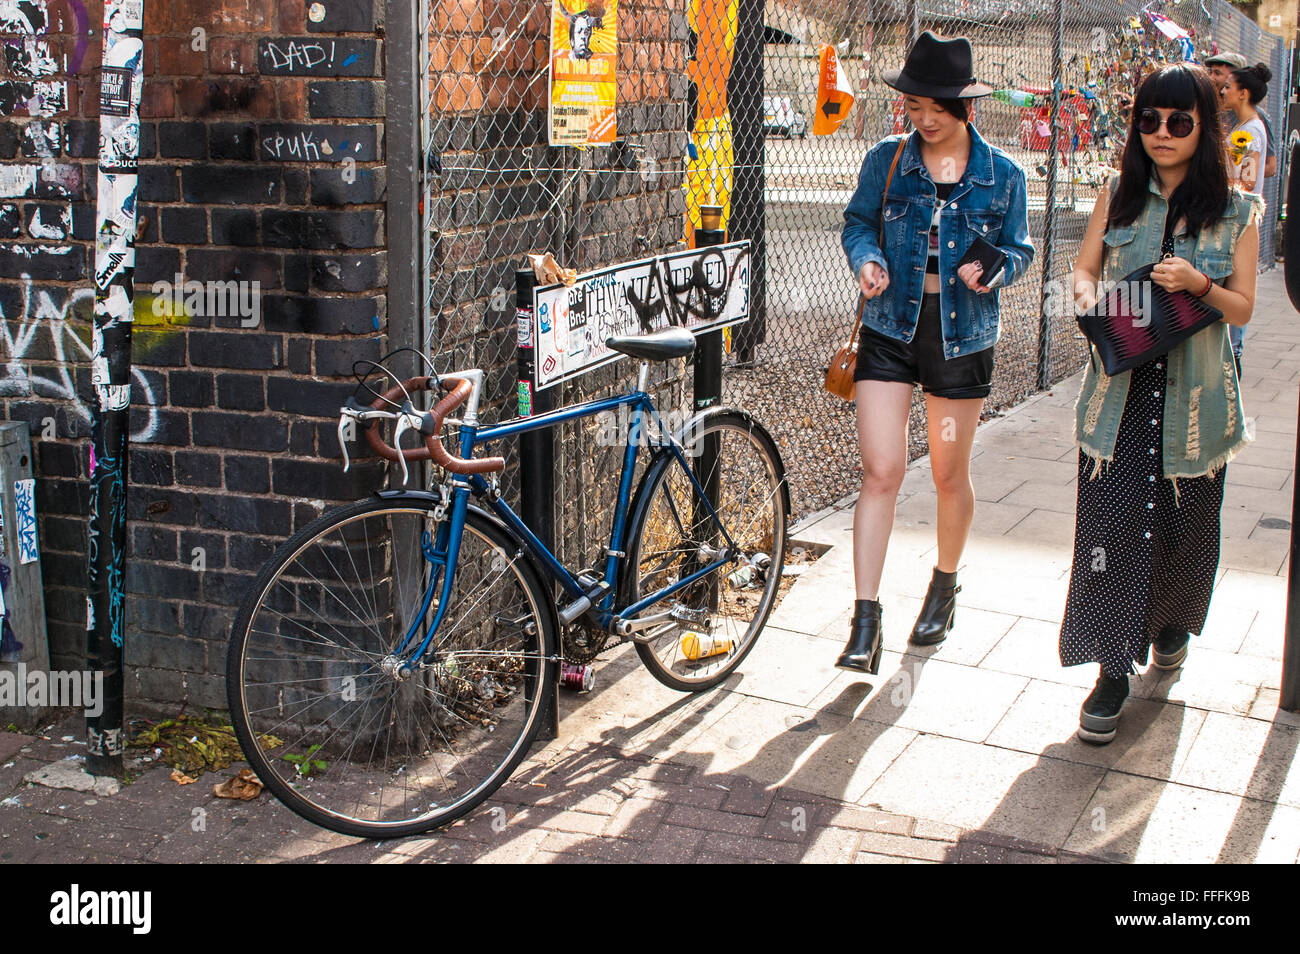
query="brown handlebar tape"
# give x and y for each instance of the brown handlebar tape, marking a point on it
(459, 390)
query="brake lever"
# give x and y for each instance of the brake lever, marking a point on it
(344, 419)
(403, 425)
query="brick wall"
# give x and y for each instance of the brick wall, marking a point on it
(250, 108)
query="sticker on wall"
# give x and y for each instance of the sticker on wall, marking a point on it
(25, 519)
(525, 399)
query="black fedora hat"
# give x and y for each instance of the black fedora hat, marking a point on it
(939, 68)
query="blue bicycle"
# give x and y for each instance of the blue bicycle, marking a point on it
(388, 666)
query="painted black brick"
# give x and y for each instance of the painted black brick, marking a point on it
(146, 224)
(310, 56)
(297, 272)
(190, 388)
(349, 272)
(152, 616)
(54, 458)
(207, 622)
(241, 392)
(310, 398)
(9, 140)
(328, 187)
(226, 265)
(325, 480)
(239, 431)
(158, 183)
(158, 347)
(146, 650)
(182, 140)
(63, 496)
(11, 221)
(162, 579)
(323, 316)
(249, 553)
(318, 142)
(195, 469)
(156, 505)
(295, 186)
(246, 515)
(232, 141)
(355, 16)
(152, 543)
(335, 99)
(225, 588)
(230, 185)
(184, 226)
(247, 475)
(169, 426)
(361, 228)
(239, 350)
(302, 439)
(45, 262)
(83, 221)
(156, 263)
(234, 227)
(335, 358)
(211, 545)
(300, 355)
(151, 467)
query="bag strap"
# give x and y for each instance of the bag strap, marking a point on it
(862, 301)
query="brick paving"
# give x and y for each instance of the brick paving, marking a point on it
(963, 753)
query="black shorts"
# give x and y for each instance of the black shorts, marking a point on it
(881, 358)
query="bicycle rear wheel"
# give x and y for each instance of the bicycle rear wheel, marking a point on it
(671, 537)
(325, 719)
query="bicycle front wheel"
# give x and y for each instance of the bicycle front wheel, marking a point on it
(718, 619)
(326, 716)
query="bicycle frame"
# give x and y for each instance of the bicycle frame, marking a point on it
(443, 552)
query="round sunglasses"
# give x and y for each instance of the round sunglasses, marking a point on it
(1179, 124)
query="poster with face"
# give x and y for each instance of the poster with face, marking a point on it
(584, 47)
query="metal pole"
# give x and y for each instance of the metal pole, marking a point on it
(913, 22)
(708, 392)
(536, 462)
(1049, 213)
(1289, 697)
(119, 151)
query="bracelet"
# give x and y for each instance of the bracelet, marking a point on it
(1209, 283)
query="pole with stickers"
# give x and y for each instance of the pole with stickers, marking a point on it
(115, 217)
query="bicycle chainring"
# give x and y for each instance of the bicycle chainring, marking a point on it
(583, 642)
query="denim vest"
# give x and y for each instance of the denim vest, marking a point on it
(1204, 421)
(988, 202)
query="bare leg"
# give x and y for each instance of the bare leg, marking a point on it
(952, 433)
(882, 440)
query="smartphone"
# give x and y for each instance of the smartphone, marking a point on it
(990, 256)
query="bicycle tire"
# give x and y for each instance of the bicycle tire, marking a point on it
(753, 505)
(318, 622)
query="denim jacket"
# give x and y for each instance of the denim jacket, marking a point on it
(988, 202)
(1204, 420)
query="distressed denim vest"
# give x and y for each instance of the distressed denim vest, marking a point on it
(1204, 421)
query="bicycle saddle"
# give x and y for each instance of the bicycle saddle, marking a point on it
(659, 346)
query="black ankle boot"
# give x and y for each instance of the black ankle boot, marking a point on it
(938, 611)
(862, 652)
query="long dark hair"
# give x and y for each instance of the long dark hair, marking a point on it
(1202, 197)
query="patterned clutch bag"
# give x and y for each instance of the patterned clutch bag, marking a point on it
(1136, 320)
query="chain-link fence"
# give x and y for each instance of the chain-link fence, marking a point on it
(715, 102)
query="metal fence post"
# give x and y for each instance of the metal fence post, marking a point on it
(536, 464)
(708, 386)
(110, 374)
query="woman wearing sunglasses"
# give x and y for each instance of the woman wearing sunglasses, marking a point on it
(1154, 441)
(922, 202)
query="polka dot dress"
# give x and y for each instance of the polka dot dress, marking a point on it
(1140, 563)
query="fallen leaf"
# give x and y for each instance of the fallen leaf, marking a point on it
(243, 786)
(180, 778)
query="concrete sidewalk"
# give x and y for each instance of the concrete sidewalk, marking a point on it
(961, 753)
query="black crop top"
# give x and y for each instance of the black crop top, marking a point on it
(942, 191)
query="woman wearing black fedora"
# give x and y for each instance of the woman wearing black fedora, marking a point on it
(937, 225)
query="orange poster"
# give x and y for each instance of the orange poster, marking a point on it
(584, 41)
